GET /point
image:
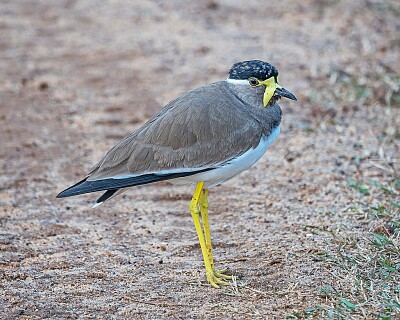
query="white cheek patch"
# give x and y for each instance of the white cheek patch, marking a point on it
(236, 81)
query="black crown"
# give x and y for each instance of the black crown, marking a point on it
(253, 68)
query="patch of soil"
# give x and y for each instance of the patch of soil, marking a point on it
(79, 75)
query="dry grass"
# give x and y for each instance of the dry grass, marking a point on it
(362, 256)
(363, 260)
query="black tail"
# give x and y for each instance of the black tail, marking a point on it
(87, 186)
(106, 195)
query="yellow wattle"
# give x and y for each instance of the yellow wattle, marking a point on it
(269, 92)
(270, 87)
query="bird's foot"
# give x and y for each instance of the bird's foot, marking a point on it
(217, 278)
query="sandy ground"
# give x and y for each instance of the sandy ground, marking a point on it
(76, 76)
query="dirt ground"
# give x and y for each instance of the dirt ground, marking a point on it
(76, 76)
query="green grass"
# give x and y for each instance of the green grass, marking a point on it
(361, 187)
(363, 263)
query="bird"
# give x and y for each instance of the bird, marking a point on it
(203, 138)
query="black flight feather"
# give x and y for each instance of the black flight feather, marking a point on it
(106, 195)
(87, 186)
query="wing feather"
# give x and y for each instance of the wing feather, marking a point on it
(88, 186)
(203, 128)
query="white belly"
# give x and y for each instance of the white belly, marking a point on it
(232, 168)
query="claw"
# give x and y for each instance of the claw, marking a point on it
(222, 282)
(220, 274)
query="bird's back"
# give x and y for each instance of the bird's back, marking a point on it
(201, 129)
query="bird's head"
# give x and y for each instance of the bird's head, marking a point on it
(256, 73)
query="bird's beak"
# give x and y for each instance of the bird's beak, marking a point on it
(272, 88)
(284, 93)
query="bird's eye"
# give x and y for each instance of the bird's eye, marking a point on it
(253, 81)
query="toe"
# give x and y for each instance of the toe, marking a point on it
(222, 276)
(221, 282)
(213, 281)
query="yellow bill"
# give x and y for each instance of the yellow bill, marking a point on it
(271, 88)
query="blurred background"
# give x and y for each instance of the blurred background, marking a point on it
(76, 76)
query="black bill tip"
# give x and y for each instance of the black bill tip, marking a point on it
(284, 93)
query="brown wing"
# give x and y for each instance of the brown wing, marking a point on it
(200, 129)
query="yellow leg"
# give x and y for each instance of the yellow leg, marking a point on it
(194, 210)
(204, 217)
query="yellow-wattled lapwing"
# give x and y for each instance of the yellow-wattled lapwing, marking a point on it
(204, 137)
